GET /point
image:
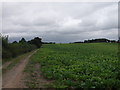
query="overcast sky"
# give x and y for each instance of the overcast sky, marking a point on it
(60, 22)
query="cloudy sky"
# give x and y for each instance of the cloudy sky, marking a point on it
(60, 21)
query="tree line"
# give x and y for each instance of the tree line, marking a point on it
(98, 41)
(11, 50)
(48, 42)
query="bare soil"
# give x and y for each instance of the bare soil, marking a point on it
(41, 81)
(14, 78)
(6, 64)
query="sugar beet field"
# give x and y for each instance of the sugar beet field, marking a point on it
(88, 65)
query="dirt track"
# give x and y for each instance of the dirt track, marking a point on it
(14, 77)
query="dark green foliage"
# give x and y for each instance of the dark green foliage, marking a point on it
(36, 41)
(10, 50)
(15, 42)
(48, 42)
(19, 48)
(6, 53)
(4, 42)
(22, 40)
(100, 40)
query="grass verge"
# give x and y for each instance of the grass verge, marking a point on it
(15, 61)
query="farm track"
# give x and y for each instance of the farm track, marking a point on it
(14, 78)
(6, 64)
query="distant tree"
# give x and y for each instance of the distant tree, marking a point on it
(22, 40)
(48, 42)
(112, 41)
(118, 41)
(14, 42)
(5, 41)
(78, 42)
(85, 41)
(97, 40)
(36, 41)
(11, 50)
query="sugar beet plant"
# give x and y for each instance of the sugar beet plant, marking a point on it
(89, 65)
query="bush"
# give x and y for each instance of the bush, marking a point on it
(10, 50)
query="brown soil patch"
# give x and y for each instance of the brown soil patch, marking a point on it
(42, 81)
(6, 64)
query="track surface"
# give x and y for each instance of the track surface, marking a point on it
(14, 78)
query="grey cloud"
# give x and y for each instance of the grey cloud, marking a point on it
(60, 22)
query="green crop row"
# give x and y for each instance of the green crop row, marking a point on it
(89, 65)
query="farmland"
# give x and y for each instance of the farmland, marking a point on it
(86, 65)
